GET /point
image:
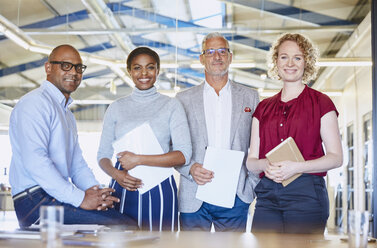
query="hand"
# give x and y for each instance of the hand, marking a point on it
(281, 171)
(287, 169)
(201, 175)
(128, 160)
(273, 172)
(127, 181)
(99, 199)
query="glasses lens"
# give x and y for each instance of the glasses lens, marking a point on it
(80, 68)
(66, 66)
(222, 51)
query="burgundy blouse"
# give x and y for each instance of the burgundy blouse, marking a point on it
(299, 118)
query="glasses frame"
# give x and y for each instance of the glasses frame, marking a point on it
(210, 52)
(61, 63)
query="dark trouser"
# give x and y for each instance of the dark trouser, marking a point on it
(224, 219)
(300, 207)
(27, 211)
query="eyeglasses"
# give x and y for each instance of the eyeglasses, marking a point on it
(67, 66)
(220, 51)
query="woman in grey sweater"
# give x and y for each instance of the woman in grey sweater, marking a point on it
(155, 209)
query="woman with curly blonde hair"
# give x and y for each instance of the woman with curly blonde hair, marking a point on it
(310, 118)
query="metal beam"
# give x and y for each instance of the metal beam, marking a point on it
(233, 30)
(38, 63)
(287, 11)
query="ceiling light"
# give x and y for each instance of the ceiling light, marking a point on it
(196, 66)
(40, 49)
(345, 62)
(242, 65)
(16, 39)
(169, 65)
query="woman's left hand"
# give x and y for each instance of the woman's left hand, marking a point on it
(286, 169)
(128, 160)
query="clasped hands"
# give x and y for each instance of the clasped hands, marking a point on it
(280, 171)
(128, 161)
(98, 199)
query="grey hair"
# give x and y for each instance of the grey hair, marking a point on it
(213, 35)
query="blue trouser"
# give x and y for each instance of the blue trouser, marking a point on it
(300, 207)
(224, 219)
(27, 211)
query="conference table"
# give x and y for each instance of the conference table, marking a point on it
(189, 240)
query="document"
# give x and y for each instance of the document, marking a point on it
(226, 165)
(142, 140)
(286, 151)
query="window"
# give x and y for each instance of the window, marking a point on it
(368, 165)
(350, 167)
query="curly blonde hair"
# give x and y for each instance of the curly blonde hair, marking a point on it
(310, 51)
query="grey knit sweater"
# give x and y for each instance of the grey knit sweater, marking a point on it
(165, 115)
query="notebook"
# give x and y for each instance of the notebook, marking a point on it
(286, 151)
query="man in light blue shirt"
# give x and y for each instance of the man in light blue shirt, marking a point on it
(47, 166)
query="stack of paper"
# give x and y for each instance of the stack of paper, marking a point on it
(142, 140)
(226, 165)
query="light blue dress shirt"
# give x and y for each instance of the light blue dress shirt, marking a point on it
(45, 148)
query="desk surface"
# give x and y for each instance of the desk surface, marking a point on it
(203, 240)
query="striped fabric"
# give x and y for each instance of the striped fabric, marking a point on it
(155, 210)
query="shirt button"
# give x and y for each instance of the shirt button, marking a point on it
(281, 139)
(284, 112)
(281, 124)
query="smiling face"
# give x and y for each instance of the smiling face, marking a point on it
(66, 81)
(216, 65)
(290, 62)
(143, 71)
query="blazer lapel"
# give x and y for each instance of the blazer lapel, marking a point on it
(197, 103)
(237, 103)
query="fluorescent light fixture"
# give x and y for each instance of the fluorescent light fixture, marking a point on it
(196, 66)
(242, 65)
(16, 39)
(232, 65)
(345, 63)
(40, 49)
(101, 61)
(340, 62)
(169, 65)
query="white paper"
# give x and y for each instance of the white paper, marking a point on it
(142, 140)
(226, 165)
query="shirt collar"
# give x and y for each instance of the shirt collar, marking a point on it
(225, 89)
(56, 93)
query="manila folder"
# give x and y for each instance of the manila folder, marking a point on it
(286, 151)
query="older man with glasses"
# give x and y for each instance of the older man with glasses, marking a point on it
(219, 112)
(47, 166)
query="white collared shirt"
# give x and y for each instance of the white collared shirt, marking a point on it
(218, 111)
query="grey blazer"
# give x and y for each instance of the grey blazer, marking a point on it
(192, 101)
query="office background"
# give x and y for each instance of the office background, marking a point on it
(105, 31)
